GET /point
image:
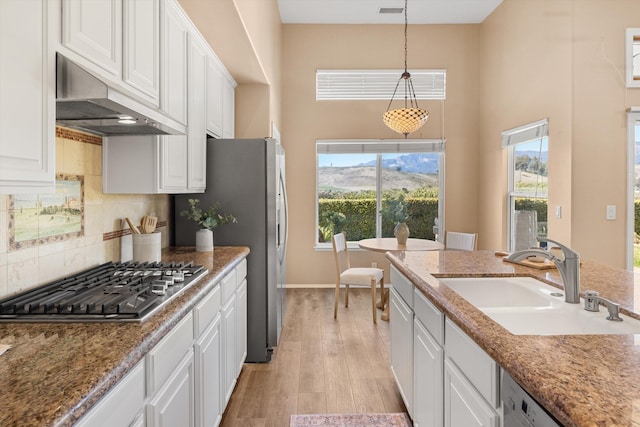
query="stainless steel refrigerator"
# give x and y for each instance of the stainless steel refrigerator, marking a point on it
(247, 178)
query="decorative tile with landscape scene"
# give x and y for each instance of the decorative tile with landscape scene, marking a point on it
(43, 218)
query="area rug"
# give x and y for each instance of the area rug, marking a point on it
(351, 420)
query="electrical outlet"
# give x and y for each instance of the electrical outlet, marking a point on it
(558, 211)
(374, 265)
(611, 212)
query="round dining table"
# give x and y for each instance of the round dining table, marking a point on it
(385, 244)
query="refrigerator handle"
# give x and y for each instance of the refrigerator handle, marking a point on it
(286, 217)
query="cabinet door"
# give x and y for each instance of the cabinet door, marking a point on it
(173, 405)
(173, 163)
(463, 406)
(208, 376)
(229, 348)
(122, 405)
(428, 359)
(27, 96)
(215, 81)
(141, 56)
(93, 29)
(401, 337)
(241, 326)
(174, 63)
(197, 177)
(228, 109)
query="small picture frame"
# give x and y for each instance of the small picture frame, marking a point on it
(633, 57)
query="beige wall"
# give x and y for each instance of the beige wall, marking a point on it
(246, 36)
(561, 59)
(310, 47)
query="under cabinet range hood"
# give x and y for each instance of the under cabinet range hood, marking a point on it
(87, 103)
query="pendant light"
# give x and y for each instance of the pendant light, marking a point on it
(411, 117)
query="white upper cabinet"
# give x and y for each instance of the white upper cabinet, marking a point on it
(93, 30)
(228, 108)
(27, 98)
(117, 40)
(175, 30)
(197, 138)
(141, 56)
(215, 82)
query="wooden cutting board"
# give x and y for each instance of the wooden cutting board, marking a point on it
(546, 265)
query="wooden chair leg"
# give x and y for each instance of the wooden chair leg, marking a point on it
(385, 314)
(383, 301)
(346, 295)
(373, 301)
(335, 305)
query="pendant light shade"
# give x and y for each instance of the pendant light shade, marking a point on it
(410, 118)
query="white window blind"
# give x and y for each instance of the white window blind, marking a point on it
(377, 84)
(526, 133)
(355, 146)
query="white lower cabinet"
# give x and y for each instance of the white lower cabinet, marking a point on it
(401, 326)
(241, 325)
(428, 359)
(444, 377)
(463, 405)
(122, 405)
(228, 348)
(174, 403)
(208, 376)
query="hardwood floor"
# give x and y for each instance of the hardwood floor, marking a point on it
(322, 365)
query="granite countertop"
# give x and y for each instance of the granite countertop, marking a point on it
(54, 372)
(583, 380)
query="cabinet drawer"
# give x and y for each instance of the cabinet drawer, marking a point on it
(228, 286)
(403, 286)
(121, 405)
(166, 355)
(241, 270)
(481, 371)
(206, 310)
(429, 315)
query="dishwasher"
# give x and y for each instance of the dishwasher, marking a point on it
(520, 409)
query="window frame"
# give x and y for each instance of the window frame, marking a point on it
(510, 139)
(384, 146)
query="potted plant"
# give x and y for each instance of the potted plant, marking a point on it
(208, 220)
(394, 207)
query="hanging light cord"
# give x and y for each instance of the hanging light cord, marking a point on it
(409, 91)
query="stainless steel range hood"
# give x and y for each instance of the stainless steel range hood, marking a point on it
(87, 103)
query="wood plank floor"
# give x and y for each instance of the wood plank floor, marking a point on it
(322, 365)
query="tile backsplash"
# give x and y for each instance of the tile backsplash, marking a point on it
(80, 154)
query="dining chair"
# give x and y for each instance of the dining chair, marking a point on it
(461, 241)
(347, 275)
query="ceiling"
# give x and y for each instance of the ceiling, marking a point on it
(367, 11)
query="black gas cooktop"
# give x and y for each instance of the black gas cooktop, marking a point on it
(122, 292)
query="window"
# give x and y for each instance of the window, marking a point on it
(528, 183)
(355, 176)
(376, 84)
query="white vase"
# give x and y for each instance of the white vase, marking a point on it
(401, 231)
(204, 240)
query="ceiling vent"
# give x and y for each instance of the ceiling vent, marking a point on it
(390, 10)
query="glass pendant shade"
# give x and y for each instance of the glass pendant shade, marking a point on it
(405, 120)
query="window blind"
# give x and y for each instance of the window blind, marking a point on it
(379, 146)
(526, 133)
(377, 84)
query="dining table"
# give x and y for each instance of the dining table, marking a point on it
(386, 244)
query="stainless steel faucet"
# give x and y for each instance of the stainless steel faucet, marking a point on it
(569, 267)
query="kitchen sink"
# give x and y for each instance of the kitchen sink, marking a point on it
(527, 306)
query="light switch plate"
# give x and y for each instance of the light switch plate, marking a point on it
(611, 212)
